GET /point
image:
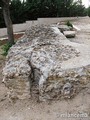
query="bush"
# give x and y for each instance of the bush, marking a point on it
(6, 48)
(68, 23)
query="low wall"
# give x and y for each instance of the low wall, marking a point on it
(19, 27)
(31, 23)
(48, 21)
(16, 28)
(3, 32)
(39, 21)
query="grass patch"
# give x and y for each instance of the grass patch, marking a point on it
(6, 48)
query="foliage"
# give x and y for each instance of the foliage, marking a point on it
(77, 9)
(22, 11)
(6, 48)
(88, 11)
(68, 23)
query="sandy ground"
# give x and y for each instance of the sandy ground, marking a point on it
(77, 108)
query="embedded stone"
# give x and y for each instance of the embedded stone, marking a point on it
(69, 34)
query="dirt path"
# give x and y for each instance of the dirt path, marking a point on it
(56, 110)
(78, 108)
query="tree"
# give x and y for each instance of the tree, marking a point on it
(6, 13)
(17, 10)
(77, 9)
(88, 10)
(23, 10)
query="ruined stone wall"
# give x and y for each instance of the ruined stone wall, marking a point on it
(44, 63)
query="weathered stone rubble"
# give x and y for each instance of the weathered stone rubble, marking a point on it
(45, 63)
(66, 30)
(69, 34)
(63, 27)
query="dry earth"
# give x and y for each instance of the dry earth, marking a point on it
(78, 107)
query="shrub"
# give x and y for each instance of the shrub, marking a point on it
(6, 48)
(68, 23)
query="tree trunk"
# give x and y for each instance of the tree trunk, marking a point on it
(8, 22)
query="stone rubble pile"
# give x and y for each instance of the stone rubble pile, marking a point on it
(45, 63)
(68, 31)
(69, 34)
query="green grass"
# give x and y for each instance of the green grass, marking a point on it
(5, 48)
